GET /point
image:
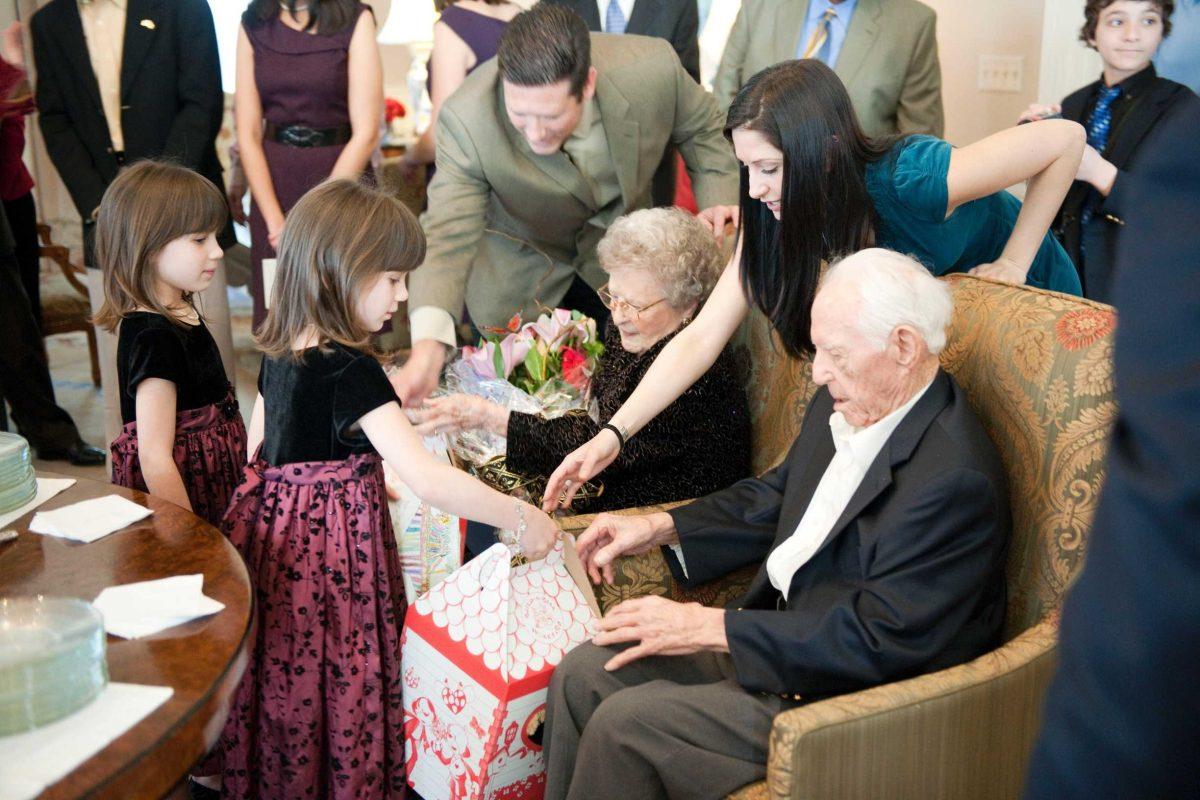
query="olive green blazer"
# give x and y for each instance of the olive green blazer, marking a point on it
(508, 229)
(889, 61)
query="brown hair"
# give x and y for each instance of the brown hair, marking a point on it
(148, 206)
(545, 45)
(337, 237)
(1093, 8)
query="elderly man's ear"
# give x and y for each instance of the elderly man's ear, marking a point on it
(908, 345)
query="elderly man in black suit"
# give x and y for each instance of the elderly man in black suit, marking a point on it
(677, 21)
(119, 81)
(881, 538)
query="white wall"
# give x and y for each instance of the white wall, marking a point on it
(967, 29)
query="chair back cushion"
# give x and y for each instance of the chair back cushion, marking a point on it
(1037, 368)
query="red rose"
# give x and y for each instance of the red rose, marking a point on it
(393, 109)
(573, 363)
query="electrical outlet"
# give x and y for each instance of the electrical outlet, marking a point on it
(1001, 73)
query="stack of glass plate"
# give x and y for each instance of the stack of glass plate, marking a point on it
(18, 485)
(51, 660)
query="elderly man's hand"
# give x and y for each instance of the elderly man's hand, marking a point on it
(661, 627)
(611, 536)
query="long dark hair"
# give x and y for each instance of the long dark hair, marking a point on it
(802, 109)
(324, 16)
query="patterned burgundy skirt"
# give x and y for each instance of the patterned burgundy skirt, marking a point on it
(318, 712)
(210, 451)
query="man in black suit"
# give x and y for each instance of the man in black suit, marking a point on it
(119, 81)
(1121, 715)
(881, 537)
(677, 21)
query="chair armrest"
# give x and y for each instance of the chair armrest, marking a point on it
(966, 731)
(62, 257)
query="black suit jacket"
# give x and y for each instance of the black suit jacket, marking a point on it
(1120, 718)
(909, 580)
(677, 21)
(1149, 98)
(171, 96)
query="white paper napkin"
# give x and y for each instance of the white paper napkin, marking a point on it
(46, 488)
(134, 610)
(89, 520)
(36, 759)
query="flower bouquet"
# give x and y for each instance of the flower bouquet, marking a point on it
(543, 367)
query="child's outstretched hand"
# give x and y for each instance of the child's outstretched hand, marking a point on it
(541, 532)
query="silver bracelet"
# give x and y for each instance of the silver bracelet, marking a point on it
(520, 531)
(512, 539)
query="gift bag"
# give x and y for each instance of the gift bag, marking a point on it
(478, 653)
(430, 541)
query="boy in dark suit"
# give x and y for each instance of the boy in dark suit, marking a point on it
(1118, 111)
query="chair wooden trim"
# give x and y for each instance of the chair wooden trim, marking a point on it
(74, 275)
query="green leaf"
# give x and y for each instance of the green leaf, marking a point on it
(536, 365)
(498, 362)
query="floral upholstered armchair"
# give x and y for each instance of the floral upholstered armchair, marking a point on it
(1037, 367)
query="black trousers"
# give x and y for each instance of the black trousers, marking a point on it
(581, 297)
(24, 373)
(22, 218)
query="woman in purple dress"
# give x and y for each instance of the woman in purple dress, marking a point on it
(466, 35)
(308, 105)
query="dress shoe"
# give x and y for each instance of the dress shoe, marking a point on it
(81, 454)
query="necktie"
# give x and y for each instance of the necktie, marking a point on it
(1100, 119)
(614, 19)
(1098, 124)
(818, 44)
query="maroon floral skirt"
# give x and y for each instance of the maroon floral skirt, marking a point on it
(319, 711)
(210, 451)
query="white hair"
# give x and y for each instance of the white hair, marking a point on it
(894, 290)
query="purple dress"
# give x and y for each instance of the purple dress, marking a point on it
(318, 712)
(302, 79)
(480, 32)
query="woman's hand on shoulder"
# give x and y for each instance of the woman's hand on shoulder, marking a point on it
(1002, 269)
(718, 218)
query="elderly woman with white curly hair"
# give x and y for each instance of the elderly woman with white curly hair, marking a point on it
(662, 263)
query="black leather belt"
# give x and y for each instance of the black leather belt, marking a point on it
(304, 136)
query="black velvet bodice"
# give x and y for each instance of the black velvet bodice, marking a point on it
(313, 404)
(151, 346)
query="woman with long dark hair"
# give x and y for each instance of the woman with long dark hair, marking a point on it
(814, 187)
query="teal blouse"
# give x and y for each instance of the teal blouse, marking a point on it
(908, 187)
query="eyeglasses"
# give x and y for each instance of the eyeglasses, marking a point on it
(612, 302)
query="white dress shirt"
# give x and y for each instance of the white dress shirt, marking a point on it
(104, 31)
(626, 7)
(857, 449)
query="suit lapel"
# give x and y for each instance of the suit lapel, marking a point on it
(138, 39)
(74, 49)
(623, 134)
(1138, 122)
(644, 12)
(789, 27)
(899, 448)
(590, 13)
(860, 39)
(557, 167)
(1073, 105)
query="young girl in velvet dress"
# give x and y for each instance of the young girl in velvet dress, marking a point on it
(156, 241)
(318, 712)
